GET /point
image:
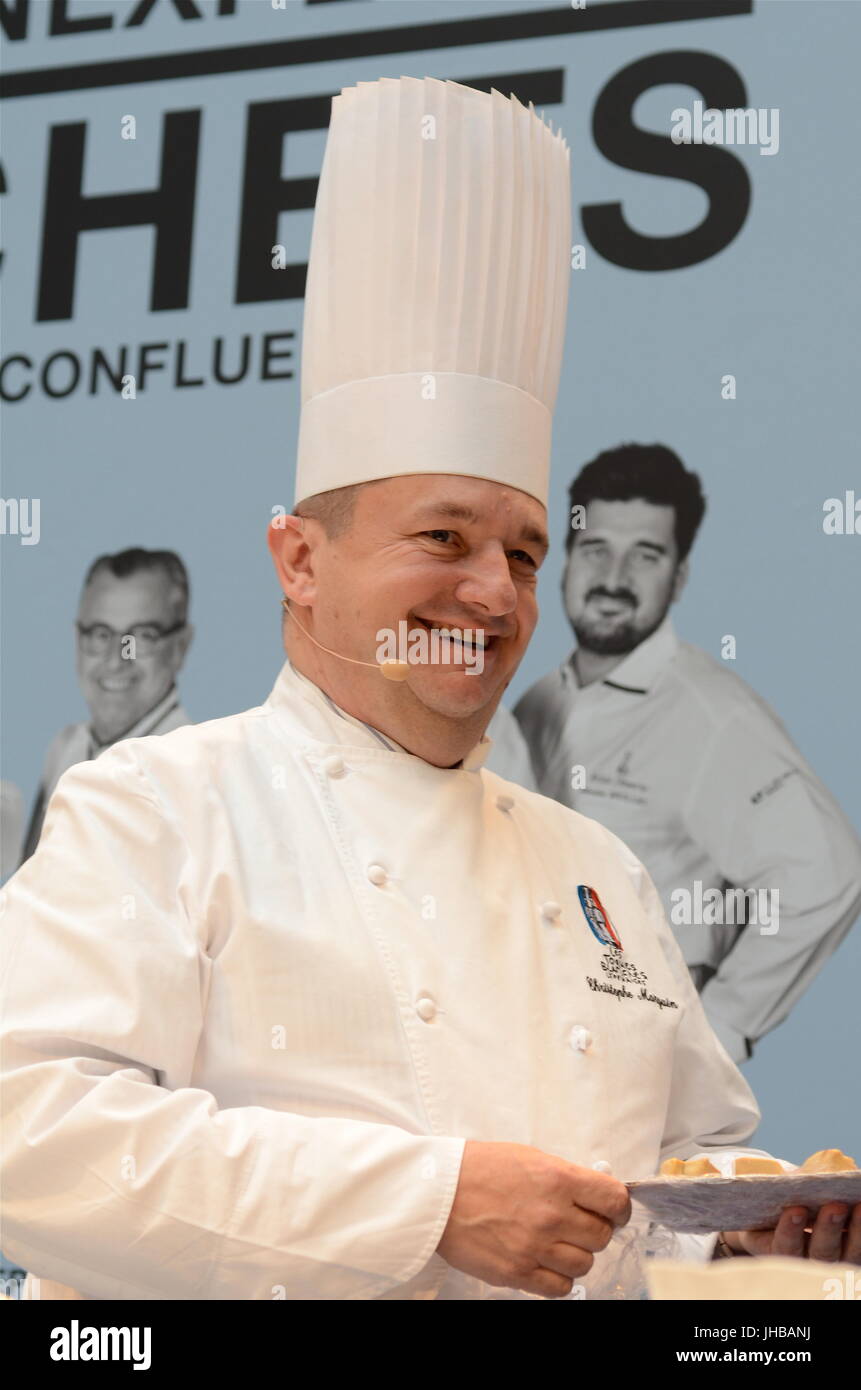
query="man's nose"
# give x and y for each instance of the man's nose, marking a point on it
(113, 659)
(488, 583)
(616, 574)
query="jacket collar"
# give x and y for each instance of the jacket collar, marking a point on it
(145, 725)
(641, 668)
(317, 712)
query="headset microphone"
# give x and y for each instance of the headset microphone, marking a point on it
(392, 669)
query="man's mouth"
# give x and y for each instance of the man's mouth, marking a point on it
(611, 607)
(115, 685)
(470, 639)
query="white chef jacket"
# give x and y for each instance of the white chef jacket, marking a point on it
(506, 753)
(263, 978)
(509, 754)
(76, 743)
(694, 771)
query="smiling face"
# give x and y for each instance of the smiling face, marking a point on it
(622, 574)
(437, 551)
(118, 690)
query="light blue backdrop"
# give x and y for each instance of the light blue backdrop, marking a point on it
(201, 470)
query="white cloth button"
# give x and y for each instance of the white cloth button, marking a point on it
(551, 911)
(334, 766)
(579, 1037)
(505, 803)
(426, 1009)
(602, 1166)
(377, 874)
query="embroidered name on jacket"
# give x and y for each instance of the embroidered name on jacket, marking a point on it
(621, 971)
(622, 992)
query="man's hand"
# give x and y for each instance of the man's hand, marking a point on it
(524, 1219)
(834, 1235)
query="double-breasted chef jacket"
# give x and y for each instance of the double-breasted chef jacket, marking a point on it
(263, 978)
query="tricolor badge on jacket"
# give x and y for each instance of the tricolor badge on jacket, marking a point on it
(596, 915)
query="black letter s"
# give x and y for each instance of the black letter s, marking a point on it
(720, 174)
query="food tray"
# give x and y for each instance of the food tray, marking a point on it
(754, 1202)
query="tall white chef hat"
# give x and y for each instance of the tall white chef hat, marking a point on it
(437, 289)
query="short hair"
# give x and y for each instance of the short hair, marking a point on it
(333, 509)
(132, 561)
(648, 471)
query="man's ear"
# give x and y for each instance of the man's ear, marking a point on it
(680, 579)
(291, 543)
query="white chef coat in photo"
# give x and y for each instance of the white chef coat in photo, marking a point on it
(76, 743)
(265, 975)
(691, 768)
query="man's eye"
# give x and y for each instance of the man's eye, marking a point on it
(523, 556)
(437, 534)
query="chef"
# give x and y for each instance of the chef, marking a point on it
(305, 1003)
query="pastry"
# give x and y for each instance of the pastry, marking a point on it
(828, 1161)
(687, 1168)
(673, 1168)
(700, 1168)
(746, 1164)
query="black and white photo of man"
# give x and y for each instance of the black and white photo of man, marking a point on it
(758, 869)
(132, 635)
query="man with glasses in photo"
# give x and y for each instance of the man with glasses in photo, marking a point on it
(132, 636)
